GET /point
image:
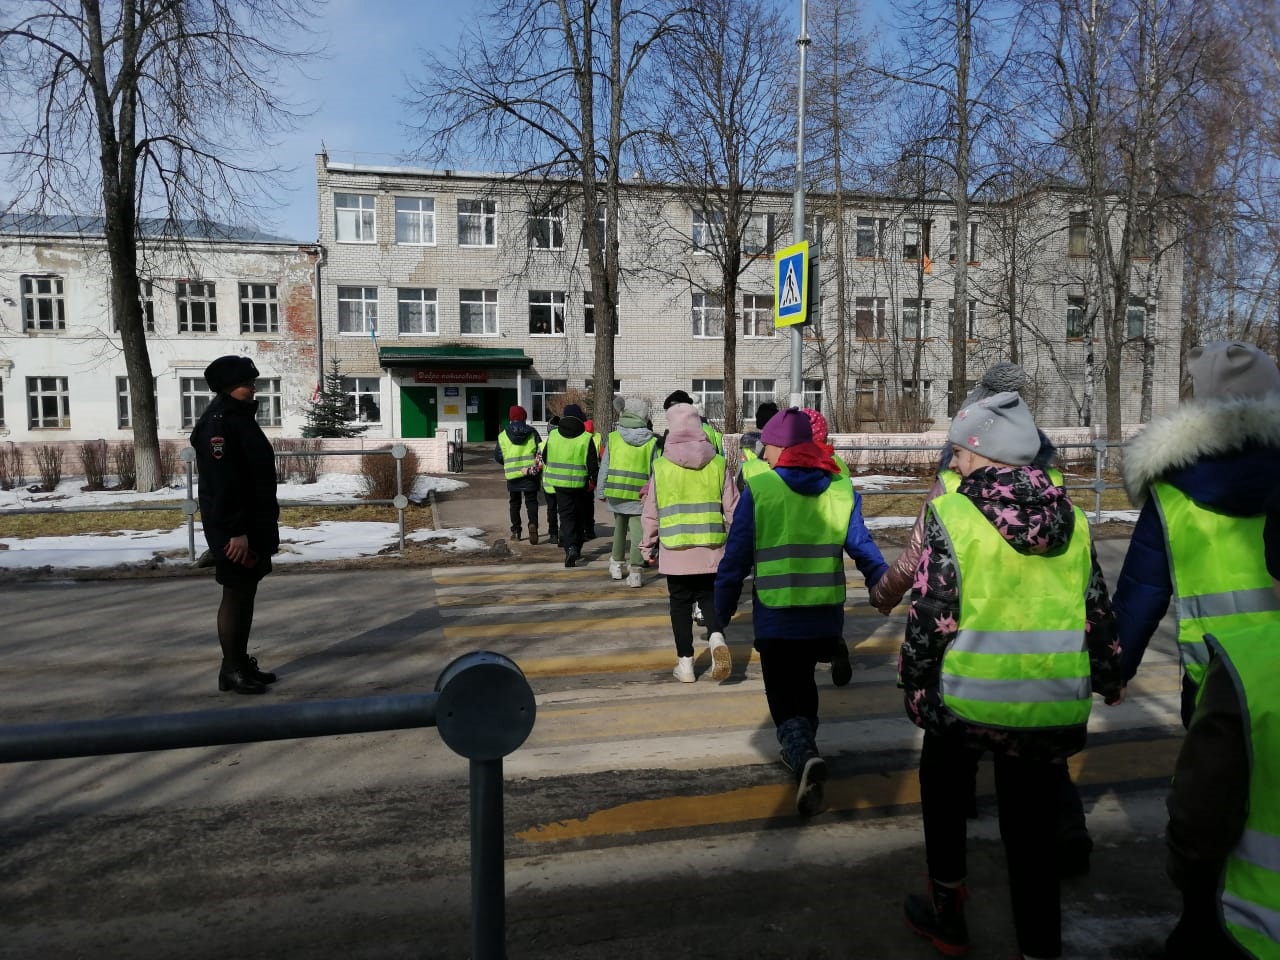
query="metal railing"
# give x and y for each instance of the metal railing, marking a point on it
(482, 705)
(455, 451)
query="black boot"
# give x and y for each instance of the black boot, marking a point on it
(515, 534)
(800, 756)
(841, 668)
(238, 680)
(262, 676)
(571, 556)
(939, 918)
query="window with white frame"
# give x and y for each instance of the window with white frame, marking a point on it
(708, 230)
(477, 223)
(43, 304)
(589, 315)
(708, 315)
(970, 320)
(954, 245)
(868, 393)
(148, 305)
(196, 397)
(353, 218)
(259, 308)
(870, 236)
(416, 310)
(124, 408)
(541, 393)
(357, 309)
(709, 396)
(1078, 233)
(546, 313)
(416, 221)
(364, 399)
(813, 395)
(546, 227)
(915, 239)
(917, 315)
(1135, 317)
(869, 318)
(269, 401)
(1077, 319)
(815, 226)
(916, 399)
(48, 403)
(478, 313)
(757, 315)
(602, 233)
(197, 306)
(754, 393)
(758, 235)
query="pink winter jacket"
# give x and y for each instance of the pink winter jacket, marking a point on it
(688, 446)
(891, 588)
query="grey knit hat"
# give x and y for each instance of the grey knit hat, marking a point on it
(1231, 369)
(636, 407)
(1003, 377)
(999, 428)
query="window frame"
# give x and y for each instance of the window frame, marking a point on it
(423, 301)
(922, 230)
(876, 229)
(358, 390)
(953, 237)
(59, 392)
(921, 308)
(188, 298)
(1136, 305)
(704, 307)
(874, 388)
(1078, 233)
(554, 304)
(485, 303)
(422, 220)
(194, 397)
(1077, 306)
(812, 393)
(146, 299)
(368, 309)
(755, 393)
(877, 310)
(487, 222)
(971, 318)
(362, 218)
(757, 309)
(36, 301)
(709, 399)
(269, 302)
(540, 397)
(549, 219)
(270, 399)
(752, 244)
(707, 231)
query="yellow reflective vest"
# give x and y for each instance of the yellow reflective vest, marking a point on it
(690, 504)
(799, 549)
(628, 467)
(565, 461)
(517, 458)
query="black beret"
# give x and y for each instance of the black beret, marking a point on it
(227, 373)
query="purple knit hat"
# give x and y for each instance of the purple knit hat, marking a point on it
(788, 428)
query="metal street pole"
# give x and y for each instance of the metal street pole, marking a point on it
(797, 212)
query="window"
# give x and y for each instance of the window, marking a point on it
(754, 393)
(708, 230)
(868, 394)
(915, 239)
(590, 383)
(43, 306)
(148, 305)
(416, 220)
(973, 242)
(124, 410)
(917, 316)
(915, 400)
(546, 313)
(197, 307)
(708, 316)
(541, 393)
(353, 218)
(1078, 234)
(813, 395)
(477, 223)
(870, 237)
(48, 403)
(196, 398)
(357, 309)
(546, 227)
(971, 319)
(602, 233)
(364, 399)
(589, 315)
(709, 396)
(416, 309)
(758, 235)
(268, 397)
(757, 315)
(1135, 318)
(868, 318)
(1077, 308)
(259, 310)
(478, 312)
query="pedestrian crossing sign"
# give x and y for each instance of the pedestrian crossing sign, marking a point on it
(791, 286)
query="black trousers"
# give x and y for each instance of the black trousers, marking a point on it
(683, 590)
(530, 498)
(787, 669)
(1027, 792)
(1199, 933)
(553, 519)
(577, 516)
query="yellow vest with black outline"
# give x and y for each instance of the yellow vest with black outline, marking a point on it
(517, 458)
(799, 550)
(1019, 659)
(565, 461)
(1251, 882)
(628, 467)
(690, 504)
(1219, 574)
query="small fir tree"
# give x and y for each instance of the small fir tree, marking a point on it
(330, 412)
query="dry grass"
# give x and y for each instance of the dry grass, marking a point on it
(898, 504)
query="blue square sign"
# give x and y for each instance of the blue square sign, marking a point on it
(791, 284)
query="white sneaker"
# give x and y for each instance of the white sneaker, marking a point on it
(634, 578)
(697, 614)
(617, 570)
(721, 658)
(684, 670)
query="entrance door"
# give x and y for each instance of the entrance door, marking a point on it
(419, 413)
(484, 413)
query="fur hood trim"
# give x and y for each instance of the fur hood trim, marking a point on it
(1197, 431)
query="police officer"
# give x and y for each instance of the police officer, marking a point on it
(238, 511)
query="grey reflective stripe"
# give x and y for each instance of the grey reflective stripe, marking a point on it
(799, 551)
(523, 458)
(678, 508)
(780, 581)
(1015, 642)
(1015, 691)
(675, 529)
(1260, 849)
(1258, 600)
(630, 474)
(1254, 916)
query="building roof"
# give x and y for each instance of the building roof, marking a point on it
(457, 356)
(85, 225)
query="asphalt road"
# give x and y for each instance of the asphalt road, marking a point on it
(644, 817)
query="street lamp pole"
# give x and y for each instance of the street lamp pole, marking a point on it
(797, 212)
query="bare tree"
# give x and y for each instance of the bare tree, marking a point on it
(160, 109)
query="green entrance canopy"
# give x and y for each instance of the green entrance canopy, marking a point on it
(454, 356)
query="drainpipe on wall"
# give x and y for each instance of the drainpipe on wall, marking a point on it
(320, 254)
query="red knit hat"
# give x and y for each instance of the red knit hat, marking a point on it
(517, 413)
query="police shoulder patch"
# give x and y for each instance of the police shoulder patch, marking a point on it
(217, 446)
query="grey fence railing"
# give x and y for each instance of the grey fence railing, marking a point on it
(482, 705)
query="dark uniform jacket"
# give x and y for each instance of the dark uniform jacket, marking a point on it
(237, 477)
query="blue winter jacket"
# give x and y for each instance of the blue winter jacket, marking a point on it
(784, 623)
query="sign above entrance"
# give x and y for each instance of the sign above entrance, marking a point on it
(451, 376)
